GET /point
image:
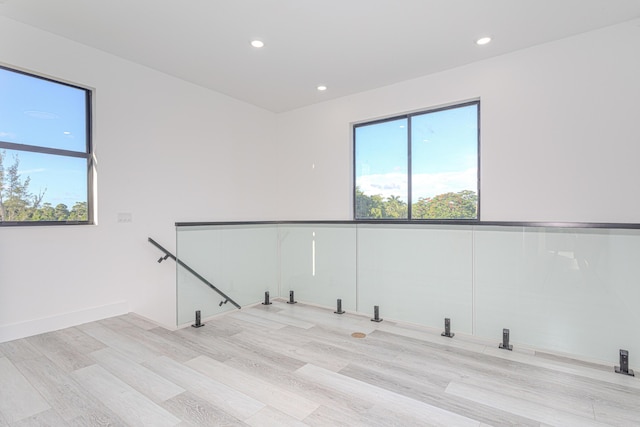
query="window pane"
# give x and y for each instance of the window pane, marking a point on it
(43, 187)
(444, 164)
(39, 112)
(381, 159)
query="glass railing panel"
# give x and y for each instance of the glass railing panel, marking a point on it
(318, 262)
(566, 290)
(416, 273)
(240, 260)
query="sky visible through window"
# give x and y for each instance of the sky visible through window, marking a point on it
(43, 113)
(444, 153)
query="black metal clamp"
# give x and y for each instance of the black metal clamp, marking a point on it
(376, 314)
(505, 341)
(198, 323)
(266, 298)
(447, 328)
(291, 299)
(168, 254)
(624, 364)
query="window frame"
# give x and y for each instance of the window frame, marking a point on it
(88, 154)
(408, 117)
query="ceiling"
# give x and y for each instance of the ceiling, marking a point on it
(348, 45)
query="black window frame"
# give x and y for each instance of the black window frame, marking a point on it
(408, 117)
(87, 154)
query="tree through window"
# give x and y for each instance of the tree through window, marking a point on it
(45, 151)
(420, 166)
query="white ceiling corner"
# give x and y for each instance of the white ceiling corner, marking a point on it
(348, 45)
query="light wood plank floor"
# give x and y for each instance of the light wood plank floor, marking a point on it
(297, 365)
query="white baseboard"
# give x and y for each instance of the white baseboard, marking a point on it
(19, 330)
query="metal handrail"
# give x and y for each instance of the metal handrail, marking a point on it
(192, 271)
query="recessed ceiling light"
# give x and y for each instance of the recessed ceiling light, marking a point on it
(321, 88)
(483, 40)
(257, 43)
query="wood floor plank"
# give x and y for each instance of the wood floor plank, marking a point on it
(341, 417)
(139, 321)
(516, 405)
(432, 393)
(576, 391)
(321, 316)
(261, 390)
(59, 349)
(195, 411)
(393, 403)
(432, 335)
(247, 316)
(294, 348)
(284, 319)
(188, 339)
(232, 401)
(303, 386)
(156, 343)
(619, 415)
(281, 374)
(48, 343)
(47, 418)
(217, 327)
(578, 370)
(147, 382)
(334, 352)
(268, 417)
(79, 341)
(133, 349)
(96, 419)
(544, 387)
(62, 392)
(345, 341)
(132, 406)
(18, 398)
(299, 365)
(240, 348)
(19, 350)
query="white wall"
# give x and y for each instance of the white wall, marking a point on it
(166, 151)
(559, 133)
(559, 129)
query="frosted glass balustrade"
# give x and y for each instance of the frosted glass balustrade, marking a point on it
(318, 262)
(568, 290)
(565, 290)
(418, 274)
(241, 261)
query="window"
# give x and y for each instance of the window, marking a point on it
(420, 166)
(45, 151)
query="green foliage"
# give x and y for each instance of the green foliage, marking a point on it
(18, 204)
(375, 207)
(78, 212)
(461, 205)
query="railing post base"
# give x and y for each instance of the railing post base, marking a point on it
(505, 341)
(624, 364)
(291, 299)
(376, 314)
(266, 298)
(447, 328)
(198, 323)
